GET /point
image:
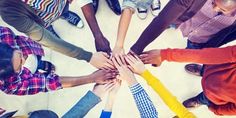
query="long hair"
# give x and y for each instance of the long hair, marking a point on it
(6, 65)
(8, 6)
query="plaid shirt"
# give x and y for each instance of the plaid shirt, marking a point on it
(26, 83)
(143, 102)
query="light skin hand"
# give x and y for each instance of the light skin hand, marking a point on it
(101, 89)
(101, 60)
(152, 57)
(124, 72)
(135, 64)
(118, 51)
(112, 95)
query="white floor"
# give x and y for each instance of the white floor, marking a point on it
(173, 75)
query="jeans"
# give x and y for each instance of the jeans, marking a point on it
(203, 99)
(136, 4)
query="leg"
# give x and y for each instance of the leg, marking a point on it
(197, 101)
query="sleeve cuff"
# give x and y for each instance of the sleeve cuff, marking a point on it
(105, 114)
(136, 88)
(164, 54)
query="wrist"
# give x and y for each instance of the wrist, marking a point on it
(132, 82)
(98, 35)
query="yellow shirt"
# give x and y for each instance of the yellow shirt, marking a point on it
(166, 96)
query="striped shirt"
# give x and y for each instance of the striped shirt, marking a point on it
(47, 10)
(143, 102)
(205, 23)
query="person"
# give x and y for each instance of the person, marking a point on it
(107, 111)
(218, 81)
(126, 15)
(206, 23)
(154, 8)
(141, 98)
(89, 9)
(79, 110)
(24, 19)
(19, 63)
(137, 66)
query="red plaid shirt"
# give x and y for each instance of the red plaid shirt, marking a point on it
(26, 83)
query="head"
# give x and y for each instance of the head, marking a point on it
(11, 61)
(227, 7)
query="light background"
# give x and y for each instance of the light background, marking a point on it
(172, 75)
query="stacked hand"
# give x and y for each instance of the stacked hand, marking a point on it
(152, 57)
(104, 76)
(101, 60)
(124, 72)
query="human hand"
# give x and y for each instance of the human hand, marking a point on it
(118, 51)
(102, 44)
(104, 76)
(152, 57)
(135, 64)
(101, 89)
(2, 111)
(101, 60)
(116, 88)
(124, 72)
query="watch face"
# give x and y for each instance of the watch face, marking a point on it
(8, 115)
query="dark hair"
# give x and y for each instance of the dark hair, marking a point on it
(6, 66)
(8, 6)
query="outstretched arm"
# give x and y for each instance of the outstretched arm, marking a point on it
(122, 30)
(101, 43)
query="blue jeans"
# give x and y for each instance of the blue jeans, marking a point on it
(203, 99)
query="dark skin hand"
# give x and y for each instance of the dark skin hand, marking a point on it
(101, 43)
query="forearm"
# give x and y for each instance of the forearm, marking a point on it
(170, 13)
(166, 96)
(47, 39)
(204, 56)
(123, 26)
(82, 107)
(143, 102)
(89, 15)
(75, 81)
(109, 103)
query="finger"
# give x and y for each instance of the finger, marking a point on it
(123, 59)
(115, 62)
(109, 66)
(130, 59)
(131, 68)
(109, 85)
(118, 60)
(105, 54)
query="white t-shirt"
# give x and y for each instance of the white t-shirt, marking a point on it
(31, 63)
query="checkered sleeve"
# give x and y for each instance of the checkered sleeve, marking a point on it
(29, 84)
(143, 102)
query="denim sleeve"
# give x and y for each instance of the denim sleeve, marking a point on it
(136, 4)
(105, 114)
(143, 102)
(82, 107)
